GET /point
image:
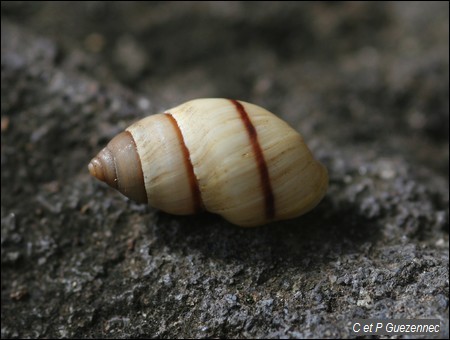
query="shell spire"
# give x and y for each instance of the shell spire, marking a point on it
(119, 166)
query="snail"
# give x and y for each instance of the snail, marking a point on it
(225, 156)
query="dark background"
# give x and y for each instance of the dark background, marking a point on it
(366, 84)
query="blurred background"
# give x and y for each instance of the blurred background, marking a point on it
(366, 84)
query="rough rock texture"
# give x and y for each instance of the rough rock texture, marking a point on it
(367, 84)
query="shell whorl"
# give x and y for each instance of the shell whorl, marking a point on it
(266, 186)
(225, 156)
(193, 182)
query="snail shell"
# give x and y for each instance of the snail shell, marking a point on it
(225, 156)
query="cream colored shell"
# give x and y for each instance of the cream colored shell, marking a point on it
(228, 157)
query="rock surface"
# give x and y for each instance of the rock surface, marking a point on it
(365, 83)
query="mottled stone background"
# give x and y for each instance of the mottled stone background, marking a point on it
(367, 85)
